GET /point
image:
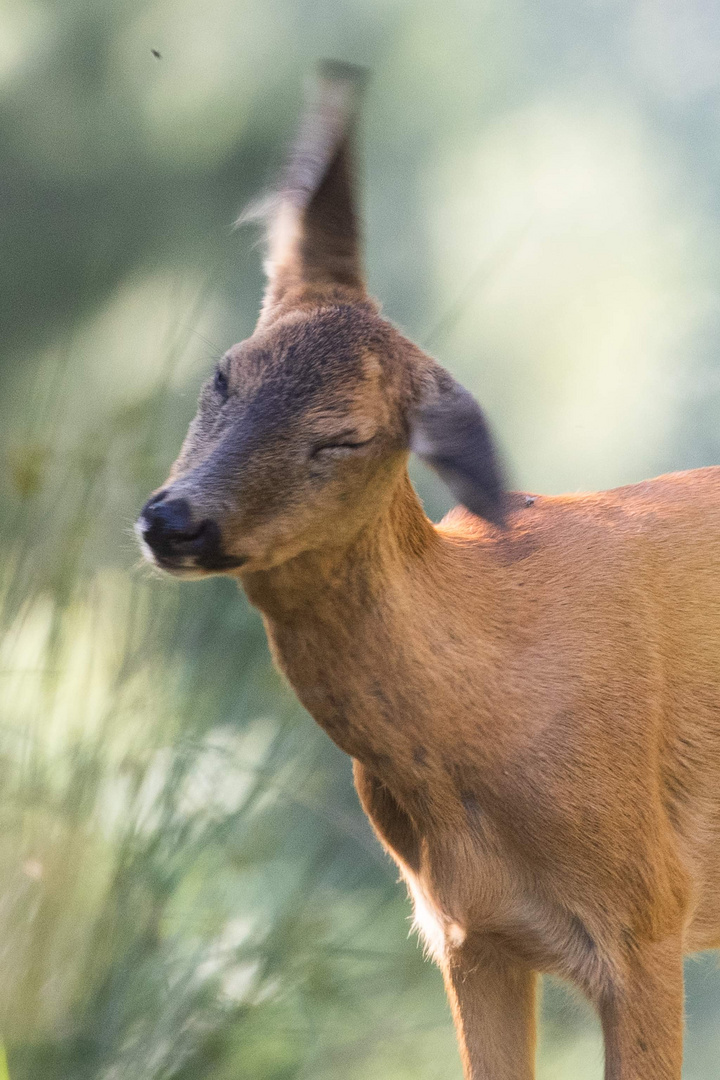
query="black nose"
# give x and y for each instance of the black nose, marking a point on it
(167, 526)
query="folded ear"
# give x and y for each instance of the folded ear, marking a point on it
(313, 237)
(449, 432)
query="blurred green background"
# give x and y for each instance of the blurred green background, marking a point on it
(188, 888)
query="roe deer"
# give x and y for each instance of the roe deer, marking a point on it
(530, 690)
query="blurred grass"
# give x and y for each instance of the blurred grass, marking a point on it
(188, 888)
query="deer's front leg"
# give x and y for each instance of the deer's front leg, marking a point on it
(642, 1014)
(492, 996)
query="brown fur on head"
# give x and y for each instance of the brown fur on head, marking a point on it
(302, 436)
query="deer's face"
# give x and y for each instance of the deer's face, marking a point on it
(302, 433)
(298, 441)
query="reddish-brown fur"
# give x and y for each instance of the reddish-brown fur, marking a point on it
(532, 702)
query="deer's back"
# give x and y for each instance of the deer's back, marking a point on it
(608, 712)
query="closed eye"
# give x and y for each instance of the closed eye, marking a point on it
(339, 443)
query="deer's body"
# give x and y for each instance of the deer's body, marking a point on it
(534, 716)
(532, 702)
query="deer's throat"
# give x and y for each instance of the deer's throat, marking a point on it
(338, 623)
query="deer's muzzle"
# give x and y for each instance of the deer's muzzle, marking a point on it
(175, 539)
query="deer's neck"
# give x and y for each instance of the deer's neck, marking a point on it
(368, 636)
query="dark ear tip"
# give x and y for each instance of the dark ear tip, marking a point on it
(496, 513)
(499, 520)
(500, 511)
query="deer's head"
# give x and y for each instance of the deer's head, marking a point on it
(302, 434)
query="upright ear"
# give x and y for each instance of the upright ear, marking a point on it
(313, 239)
(449, 432)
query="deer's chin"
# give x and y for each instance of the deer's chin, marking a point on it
(190, 571)
(186, 566)
(184, 569)
(185, 573)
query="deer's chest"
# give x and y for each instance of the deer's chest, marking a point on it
(466, 891)
(465, 881)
